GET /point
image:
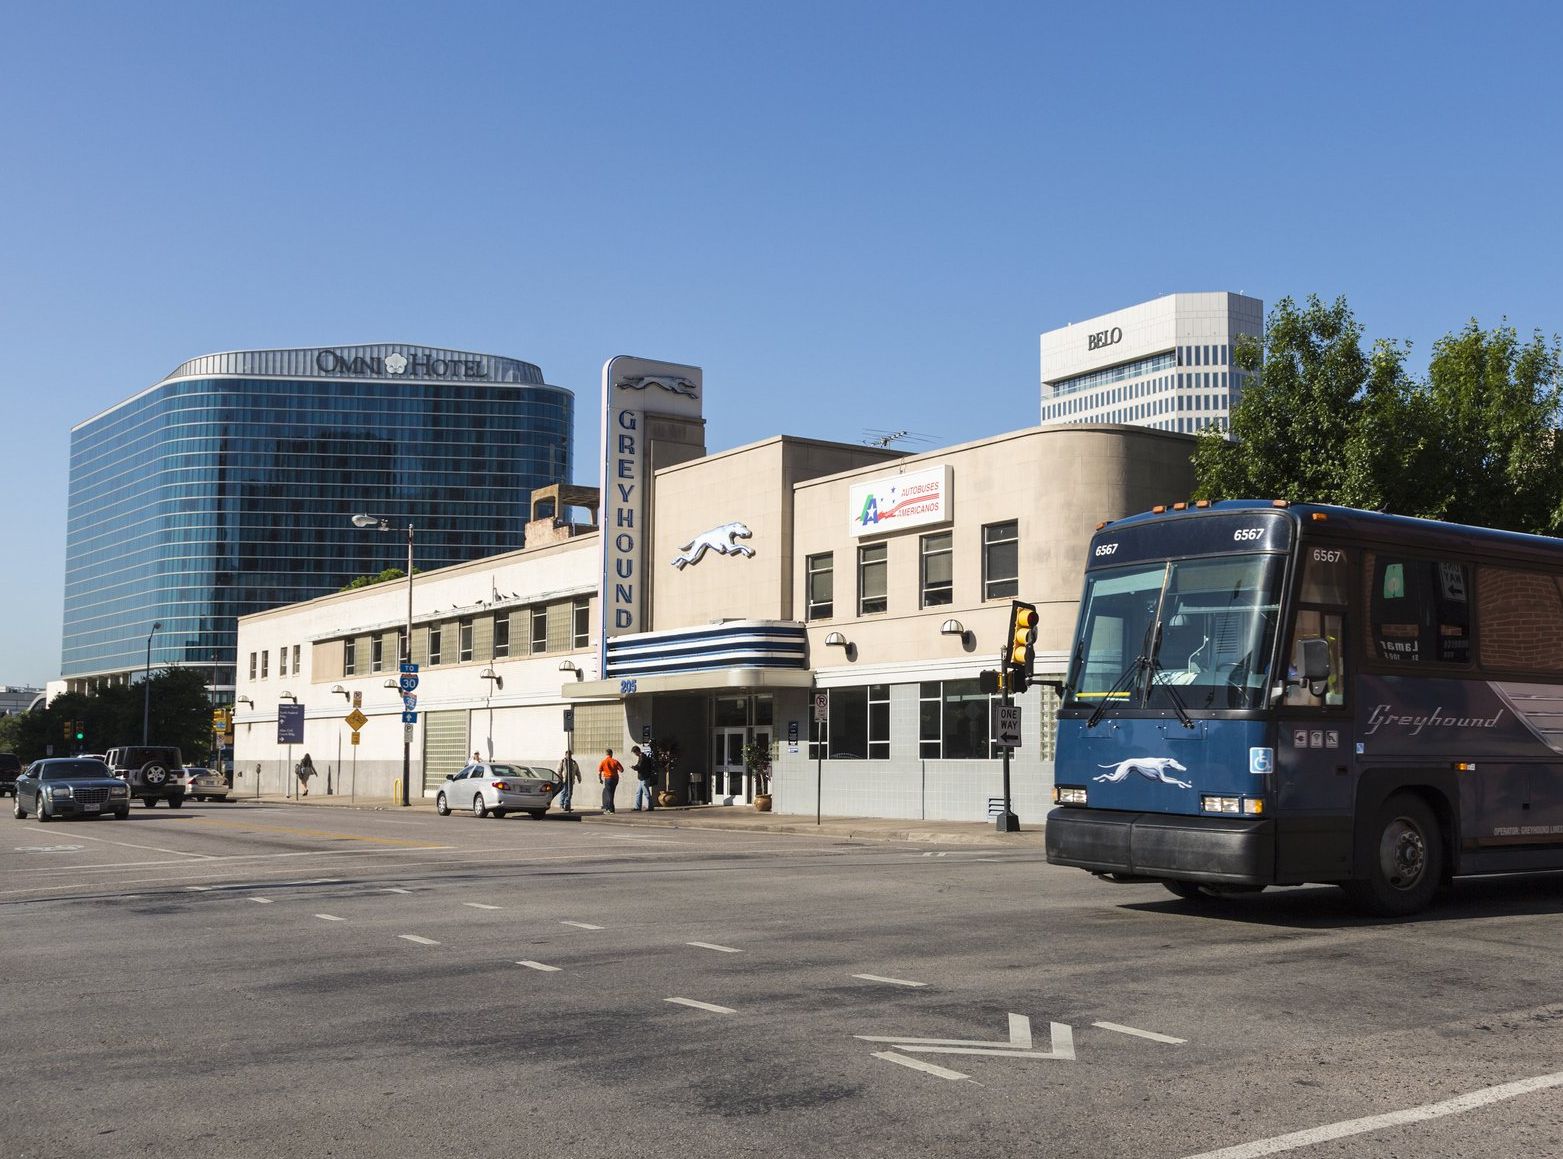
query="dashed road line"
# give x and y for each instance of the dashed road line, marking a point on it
(262, 900)
(702, 1005)
(330, 918)
(1457, 1105)
(198, 888)
(539, 966)
(918, 1064)
(1150, 1034)
(889, 981)
(393, 889)
(416, 938)
(581, 925)
(713, 946)
(480, 905)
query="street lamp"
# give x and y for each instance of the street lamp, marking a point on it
(146, 689)
(497, 681)
(367, 522)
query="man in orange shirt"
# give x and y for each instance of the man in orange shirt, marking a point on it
(608, 773)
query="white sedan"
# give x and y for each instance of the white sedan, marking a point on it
(496, 788)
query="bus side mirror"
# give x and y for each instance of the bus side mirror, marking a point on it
(1315, 656)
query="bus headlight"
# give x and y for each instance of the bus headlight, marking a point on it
(1251, 806)
(1069, 794)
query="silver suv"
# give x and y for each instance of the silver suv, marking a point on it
(153, 772)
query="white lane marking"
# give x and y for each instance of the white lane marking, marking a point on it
(713, 946)
(702, 1005)
(538, 966)
(581, 925)
(416, 938)
(480, 905)
(153, 848)
(891, 981)
(1457, 1105)
(1150, 1034)
(198, 888)
(919, 1064)
(1019, 1045)
(262, 900)
(393, 890)
(330, 918)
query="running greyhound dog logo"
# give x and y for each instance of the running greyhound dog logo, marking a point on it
(671, 384)
(723, 540)
(1151, 768)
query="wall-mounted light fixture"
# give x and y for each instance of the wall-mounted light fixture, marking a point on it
(490, 674)
(343, 691)
(244, 700)
(389, 683)
(952, 628)
(570, 666)
(287, 696)
(835, 640)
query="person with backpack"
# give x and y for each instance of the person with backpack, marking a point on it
(608, 773)
(569, 774)
(646, 773)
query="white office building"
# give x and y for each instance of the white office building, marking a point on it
(1165, 364)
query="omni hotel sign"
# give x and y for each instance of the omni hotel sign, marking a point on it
(634, 389)
(411, 365)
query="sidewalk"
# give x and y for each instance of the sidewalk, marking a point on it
(738, 817)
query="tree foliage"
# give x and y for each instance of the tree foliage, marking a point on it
(364, 581)
(1322, 420)
(179, 712)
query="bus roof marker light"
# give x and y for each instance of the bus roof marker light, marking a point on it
(1180, 506)
(1159, 509)
(1280, 503)
(1319, 516)
(1202, 503)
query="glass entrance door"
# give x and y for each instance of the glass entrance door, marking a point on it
(729, 785)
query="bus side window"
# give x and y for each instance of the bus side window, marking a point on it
(1420, 610)
(1314, 623)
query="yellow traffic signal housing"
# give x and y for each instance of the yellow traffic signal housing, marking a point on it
(1020, 664)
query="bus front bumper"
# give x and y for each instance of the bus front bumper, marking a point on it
(1155, 846)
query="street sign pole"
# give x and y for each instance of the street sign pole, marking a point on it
(821, 716)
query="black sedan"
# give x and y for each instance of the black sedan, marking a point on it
(70, 787)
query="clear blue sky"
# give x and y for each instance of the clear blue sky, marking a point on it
(852, 215)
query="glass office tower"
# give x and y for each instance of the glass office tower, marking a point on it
(229, 487)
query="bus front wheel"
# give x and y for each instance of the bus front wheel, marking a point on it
(1405, 861)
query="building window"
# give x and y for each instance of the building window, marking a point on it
(401, 646)
(539, 629)
(953, 721)
(820, 586)
(434, 644)
(1001, 560)
(859, 726)
(937, 583)
(501, 635)
(376, 654)
(349, 657)
(464, 639)
(580, 623)
(296, 668)
(871, 579)
(282, 660)
(253, 663)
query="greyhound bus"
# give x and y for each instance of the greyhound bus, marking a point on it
(1275, 693)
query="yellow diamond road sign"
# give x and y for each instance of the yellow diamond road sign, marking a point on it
(357, 719)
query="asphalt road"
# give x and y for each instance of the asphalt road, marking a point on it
(279, 981)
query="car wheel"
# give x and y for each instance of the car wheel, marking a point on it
(1405, 862)
(149, 801)
(43, 811)
(175, 802)
(122, 813)
(538, 813)
(441, 805)
(479, 808)
(17, 811)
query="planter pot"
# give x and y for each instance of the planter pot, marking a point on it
(762, 802)
(667, 797)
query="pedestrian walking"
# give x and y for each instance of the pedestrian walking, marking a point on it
(304, 770)
(646, 776)
(477, 758)
(608, 773)
(569, 774)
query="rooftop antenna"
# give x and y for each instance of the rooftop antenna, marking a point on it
(886, 439)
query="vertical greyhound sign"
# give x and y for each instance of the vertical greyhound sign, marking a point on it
(632, 390)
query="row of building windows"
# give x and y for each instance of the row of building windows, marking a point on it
(1155, 364)
(936, 585)
(453, 642)
(954, 722)
(1182, 384)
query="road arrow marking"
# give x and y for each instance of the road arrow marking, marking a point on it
(1152, 1035)
(1019, 1045)
(919, 1064)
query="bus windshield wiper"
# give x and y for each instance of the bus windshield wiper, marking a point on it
(1171, 689)
(1131, 674)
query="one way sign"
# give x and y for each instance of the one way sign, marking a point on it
(1006, 726)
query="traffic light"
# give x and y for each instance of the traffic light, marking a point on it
(67, 728)
(1020, 664)
(81, 730)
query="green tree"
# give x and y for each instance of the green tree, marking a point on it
(179, 713)
(364, 581)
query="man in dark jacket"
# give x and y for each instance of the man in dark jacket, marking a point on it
(646, 772)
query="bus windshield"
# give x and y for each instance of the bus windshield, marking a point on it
(1191, 634)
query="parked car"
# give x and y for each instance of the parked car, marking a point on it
(496, 788)
(153, 772)
(70, 787)
(10, 769)
(205, 784)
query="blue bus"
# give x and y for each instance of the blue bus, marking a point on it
(1274, 694)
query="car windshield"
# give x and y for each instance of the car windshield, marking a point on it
(1190, 634)
(73, 770)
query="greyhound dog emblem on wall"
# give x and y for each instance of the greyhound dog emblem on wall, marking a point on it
(723, 540)
(669, 383)
(1151, 768)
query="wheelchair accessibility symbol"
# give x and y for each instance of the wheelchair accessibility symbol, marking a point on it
(1261, 761)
